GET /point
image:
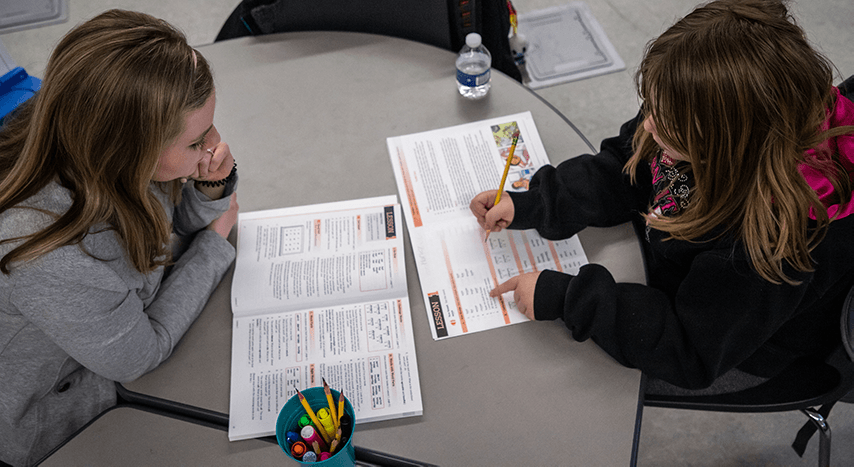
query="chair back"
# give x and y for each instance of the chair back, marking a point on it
(806, 383)
(847, 324)
(442, 23)
(424, 21)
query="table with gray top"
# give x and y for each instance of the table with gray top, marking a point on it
(307, 116)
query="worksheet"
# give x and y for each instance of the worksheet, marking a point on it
(438, 172)
(319, 292)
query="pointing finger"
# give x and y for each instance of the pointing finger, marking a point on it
(507, 286)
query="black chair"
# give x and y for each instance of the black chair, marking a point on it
(803, 386)
(442, 23)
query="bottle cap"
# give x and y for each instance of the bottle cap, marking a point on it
(473, 40)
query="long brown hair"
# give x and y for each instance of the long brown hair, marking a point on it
(114, 95)
(736, 87)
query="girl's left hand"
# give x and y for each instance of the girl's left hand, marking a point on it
(523, 287)
(223, 224)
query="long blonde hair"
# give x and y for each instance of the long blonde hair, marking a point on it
(736, 87)
(114, 95)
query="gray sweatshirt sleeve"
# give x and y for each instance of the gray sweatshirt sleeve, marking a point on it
(196, 211)
(94, 310)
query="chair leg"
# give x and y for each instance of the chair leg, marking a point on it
(824, 436)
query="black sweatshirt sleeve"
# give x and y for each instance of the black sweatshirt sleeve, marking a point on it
(588, 190)
(721, 314)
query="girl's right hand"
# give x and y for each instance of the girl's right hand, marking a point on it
(490, 216)
(223, 224)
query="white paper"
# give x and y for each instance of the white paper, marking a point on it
(320, 292)
(566, 43)
(438, 172)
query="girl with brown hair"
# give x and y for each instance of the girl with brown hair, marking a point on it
(116, 198)
(737, 172)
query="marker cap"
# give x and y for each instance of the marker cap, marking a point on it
(309, 435)
(326, 420)
(346, 425)
(298, 449)
(292, 437)
(304, 420)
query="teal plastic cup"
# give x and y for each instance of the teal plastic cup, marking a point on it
(288, 420)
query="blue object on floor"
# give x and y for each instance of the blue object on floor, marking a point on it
(16, 87)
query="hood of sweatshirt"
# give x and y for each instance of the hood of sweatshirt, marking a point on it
(841, 115)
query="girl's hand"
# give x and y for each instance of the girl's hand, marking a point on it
(491, 217)
(523, 287)
(216, 165)
(223, 224)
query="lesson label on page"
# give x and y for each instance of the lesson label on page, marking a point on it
(391, 225)
(438, 316)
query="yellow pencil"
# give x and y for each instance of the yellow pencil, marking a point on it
(331, 403)
(335, 442)
(504, 176)
(340, 409)
(313, 417)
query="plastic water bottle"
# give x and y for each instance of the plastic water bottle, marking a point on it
(473, 63)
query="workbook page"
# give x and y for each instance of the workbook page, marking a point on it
(290, 258)
(438, 172)
(458, 270)
(366, 350)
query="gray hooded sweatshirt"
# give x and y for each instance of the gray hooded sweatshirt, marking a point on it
(71, 324)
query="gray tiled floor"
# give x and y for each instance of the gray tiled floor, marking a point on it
(598, 106)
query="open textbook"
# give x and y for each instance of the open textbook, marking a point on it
(320, 292)
(438, 173)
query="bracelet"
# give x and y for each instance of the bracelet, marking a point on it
(216, 183)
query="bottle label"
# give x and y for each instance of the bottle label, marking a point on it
(472, 80)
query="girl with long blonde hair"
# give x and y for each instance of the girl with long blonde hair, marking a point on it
(116, 198)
